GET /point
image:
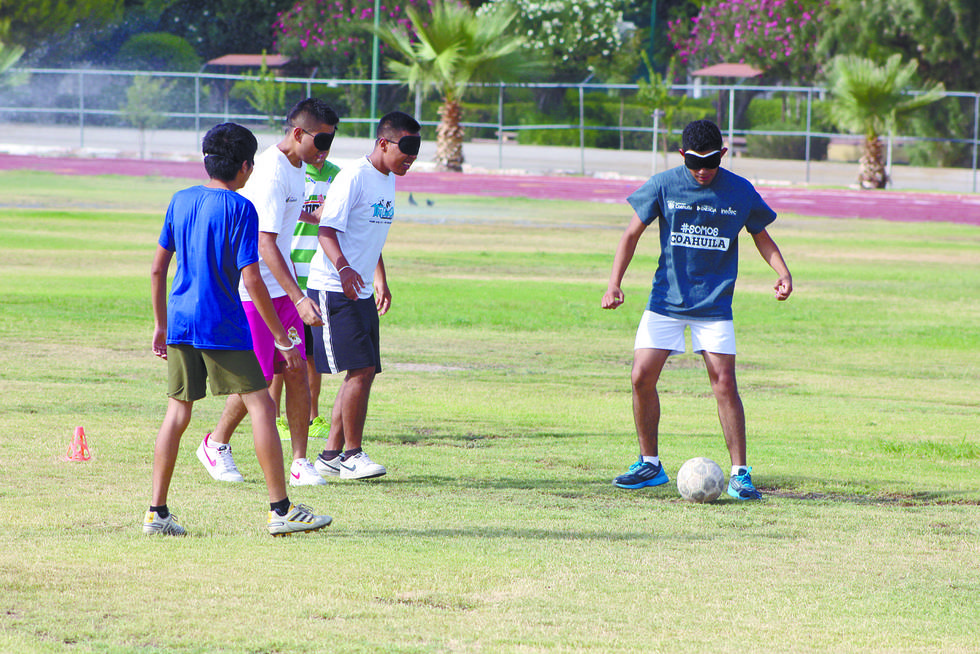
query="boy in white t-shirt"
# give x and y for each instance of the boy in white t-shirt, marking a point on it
(277, 189)
(344, 274)
(318, 180)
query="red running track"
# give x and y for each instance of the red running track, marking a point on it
(832, 203)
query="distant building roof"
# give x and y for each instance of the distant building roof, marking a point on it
(728, 70)
(250, 60)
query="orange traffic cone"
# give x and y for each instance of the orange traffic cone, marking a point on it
(78, 449)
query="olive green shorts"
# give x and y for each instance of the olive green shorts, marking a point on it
(228, 371)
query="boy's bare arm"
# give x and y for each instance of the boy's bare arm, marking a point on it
(770, 252)
(282, 271)
(614, 296)
(312, 217)
(158, 297)
(382, 294)
(259, 293)
(350, 279)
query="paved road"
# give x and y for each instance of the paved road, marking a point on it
(539, 172)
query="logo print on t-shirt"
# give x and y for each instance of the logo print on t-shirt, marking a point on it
(699, 237)
(384, 210)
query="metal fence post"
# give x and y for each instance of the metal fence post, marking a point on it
(500, 126)
(976, 125)
(809, 124)
(581, 124)
(731, 125)
(657, 113)
(197, 107)
(81, 109)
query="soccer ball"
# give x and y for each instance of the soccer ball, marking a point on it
(700, 480)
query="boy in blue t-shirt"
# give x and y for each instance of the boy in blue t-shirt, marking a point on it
(202, 331)
(700, 209)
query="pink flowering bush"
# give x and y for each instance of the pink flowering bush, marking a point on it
(776, 36)
(332, 34)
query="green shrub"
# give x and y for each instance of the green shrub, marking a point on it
(158, 51)
(771, 146)
(764, 111)
(941, 121)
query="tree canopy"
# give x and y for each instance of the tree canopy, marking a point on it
(62, 25)
(776, 36)
(792, 40)
(940, 34)
(571, 36)
(451, 49)
(333, 36)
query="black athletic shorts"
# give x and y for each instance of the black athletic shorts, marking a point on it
(350, 337)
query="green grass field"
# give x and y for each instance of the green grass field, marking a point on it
(502, 415)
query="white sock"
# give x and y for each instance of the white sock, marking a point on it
(739, 470)
(655, 460)
(212, 445)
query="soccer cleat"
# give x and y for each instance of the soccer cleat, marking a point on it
(359, 466)
(319, 428)
(327, 468)
(741, 487)
(283, 428)
(300, 518)
(302, 473)
(218, 461)
(154, 524)
(642, 474)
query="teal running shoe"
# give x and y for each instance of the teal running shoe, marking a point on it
(741, 488)
(642, 474)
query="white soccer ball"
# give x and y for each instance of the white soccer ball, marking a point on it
(700, 480)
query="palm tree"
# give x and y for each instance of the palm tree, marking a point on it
(870, 99)
(9, 55)
(454, 48)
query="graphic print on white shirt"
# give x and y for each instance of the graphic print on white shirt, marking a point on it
(360, 207)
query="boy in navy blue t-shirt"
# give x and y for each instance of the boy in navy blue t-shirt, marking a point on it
(202, 331)
(700, 209)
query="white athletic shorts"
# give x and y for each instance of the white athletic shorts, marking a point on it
(660, 332)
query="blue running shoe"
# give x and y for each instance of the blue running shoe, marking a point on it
(642, 474)
(741, 488)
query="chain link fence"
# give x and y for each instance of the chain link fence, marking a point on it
(762, 122)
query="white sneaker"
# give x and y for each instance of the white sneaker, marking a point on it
(218, 462)
(360, 466)
(326, 468)
(154, 524)
(300, 518)
(302, 473)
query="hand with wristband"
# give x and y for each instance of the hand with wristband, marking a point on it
(308, 311)
(294, 340)
(291, 353)
(350, 281)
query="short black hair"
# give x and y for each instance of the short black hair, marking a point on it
(701, 136)
(391, 124)
(310, 112)
(226, 147)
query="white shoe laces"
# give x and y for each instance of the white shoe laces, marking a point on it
(225, 460)
(305, 467)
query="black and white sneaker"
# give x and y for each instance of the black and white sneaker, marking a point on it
(360, 466)
(327, 468)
